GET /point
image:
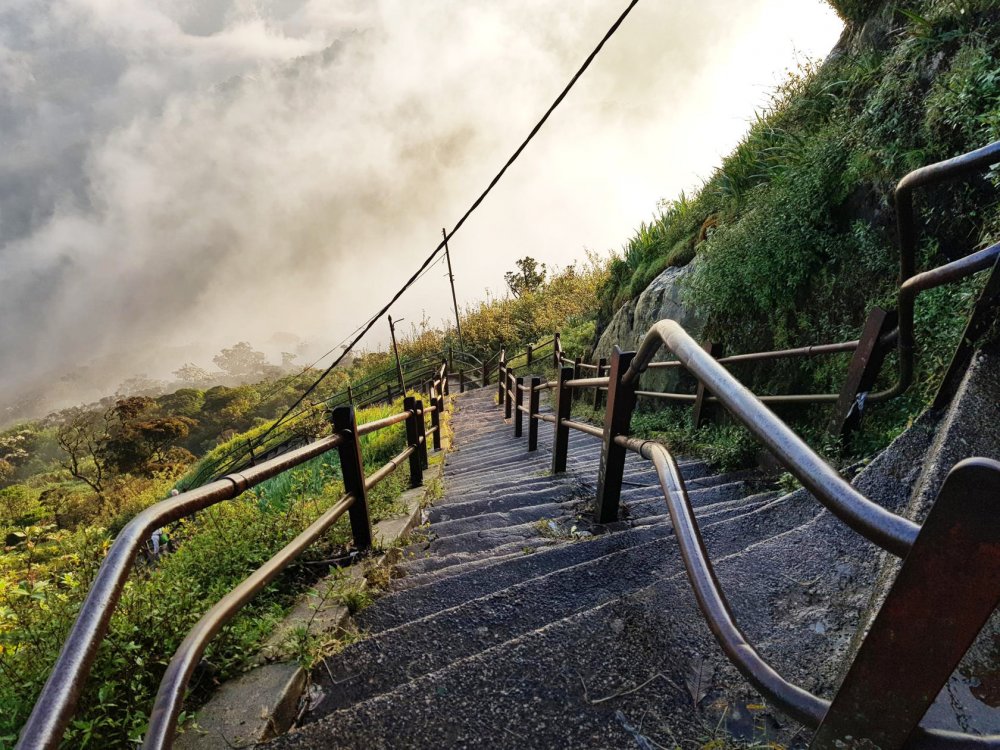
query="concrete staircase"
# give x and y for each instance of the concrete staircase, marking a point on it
(519, 623)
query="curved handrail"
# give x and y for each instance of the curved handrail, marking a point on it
(793, 700)
(891, 532)
(58, 699)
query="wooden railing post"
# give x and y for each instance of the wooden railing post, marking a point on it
(461, 381)
(486, 374)
(698, 411)
(446, 385)
(533, 413)
(602, 365)
(350, 395)
(508, 401)
(555, 349)
(388, 394)
(946, 590)
(413, 439)
(422, 434)
(436, 415)
(862, 373)
(518, 403)
(528, 352)
(353, 472)
(564, 404)
(617, 421)
(576, 373)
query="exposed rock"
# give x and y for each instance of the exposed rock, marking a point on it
(661, 299)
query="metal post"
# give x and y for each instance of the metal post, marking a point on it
(395, 349)
(353, 472)
(862, 372)
(451, 280)
(518, 403)
(602, 364)
(564, 402)
(576, 373)
(461, 381)
(412, 439)
(436, 417)
(556, 343)
(508, 399)
(533, 413)
(945, 592)
(422, 433)
(617, 421)
(528, 352)
(698, 412)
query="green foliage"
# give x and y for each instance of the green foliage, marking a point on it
(528, 278)
(856, 11)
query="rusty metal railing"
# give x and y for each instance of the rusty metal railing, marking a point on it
(57, 702)
(949, 581)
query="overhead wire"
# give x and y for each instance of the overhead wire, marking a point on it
(458, 225)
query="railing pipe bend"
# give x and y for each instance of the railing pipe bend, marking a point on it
(57, 701)
(793, 700)
(170, 696)
(889, 531)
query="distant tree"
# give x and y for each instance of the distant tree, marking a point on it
(241, 360)
(81, 435)
(288, 360)
(529, 277)
(140, 385)
(191, 374)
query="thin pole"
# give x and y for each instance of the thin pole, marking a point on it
(454, 299)
(395, 349)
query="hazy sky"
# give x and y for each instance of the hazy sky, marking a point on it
(191, 173)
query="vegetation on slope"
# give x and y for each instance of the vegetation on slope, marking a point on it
(795, 232)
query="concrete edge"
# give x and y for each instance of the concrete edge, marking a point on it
(263, 702)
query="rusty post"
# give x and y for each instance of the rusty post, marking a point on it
(528, 352)
(518, 403)
(436, 416)
(698, 412)
(602, 365)
(556, 344)
(422, 433)
(577, 392)
(945, 592)
(564, 404)
(617, 421)
(461, 381)
(862, 373)
(352, 470)
(412, 440)
(533, 413)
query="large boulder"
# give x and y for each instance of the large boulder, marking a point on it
(661, 299)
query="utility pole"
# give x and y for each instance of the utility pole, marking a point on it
(451, 278)
(395, 349)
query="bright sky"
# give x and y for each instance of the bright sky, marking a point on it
(184, 174)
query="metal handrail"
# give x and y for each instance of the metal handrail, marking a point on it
(889, 531)
(57, 701)
(793, 700)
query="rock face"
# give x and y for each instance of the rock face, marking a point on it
(661, 299)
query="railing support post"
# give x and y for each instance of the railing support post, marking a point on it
(486, 375)
(388, 394)
(518, 403)
(353, 471)
(436, 416)
(422, 434)
(617, 421)
(350, 395)
(576, 373)
(413, 440)
(564, 404)
(528, 352)
(533, 413)
(602, 364)
(501, 377)
(508, 396)
(862, 372)
(946, 590)
(698, 412)
(556, 344)
(461, 381)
